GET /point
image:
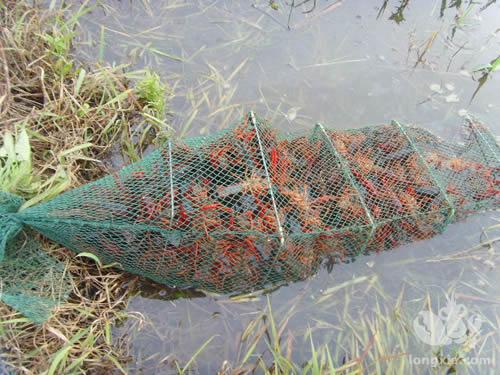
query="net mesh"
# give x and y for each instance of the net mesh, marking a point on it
(248, 207)
(31, 281)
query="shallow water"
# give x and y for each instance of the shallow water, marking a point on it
(346, 64)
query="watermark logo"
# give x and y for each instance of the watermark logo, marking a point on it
(452, 324)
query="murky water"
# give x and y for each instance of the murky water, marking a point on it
(345, 64)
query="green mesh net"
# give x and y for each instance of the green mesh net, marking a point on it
(248, 207)
(31, 281)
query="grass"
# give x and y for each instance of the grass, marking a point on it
(73, 113)
(17, 173)
(77, 336)
(380, 340)
(485, 72)
(60, 120)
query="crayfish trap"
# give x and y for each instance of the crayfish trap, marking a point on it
(247, 207)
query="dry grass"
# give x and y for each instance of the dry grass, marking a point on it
(76, 116)
(78, 334)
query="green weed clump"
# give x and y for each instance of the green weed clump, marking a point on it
(151, 92)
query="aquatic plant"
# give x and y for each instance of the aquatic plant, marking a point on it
(152, 92)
